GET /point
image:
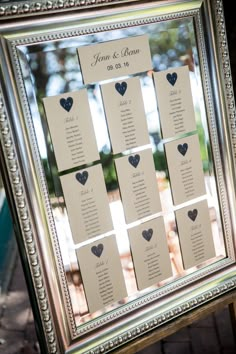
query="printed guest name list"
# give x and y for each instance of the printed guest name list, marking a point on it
(70, 124)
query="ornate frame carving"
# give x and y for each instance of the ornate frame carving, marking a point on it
(59, 331)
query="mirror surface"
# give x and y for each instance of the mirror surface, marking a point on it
(53, 68)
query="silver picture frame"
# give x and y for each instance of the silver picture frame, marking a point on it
(35, 33)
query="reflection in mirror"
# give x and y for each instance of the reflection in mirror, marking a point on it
(171, 227)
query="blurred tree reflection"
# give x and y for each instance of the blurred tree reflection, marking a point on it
(55, 69)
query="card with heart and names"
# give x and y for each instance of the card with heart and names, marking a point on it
(101, 272)
(175, 101)
(125, 114)
(138, 185)
(71, 128)
(195, 234)
(150, 253)
(87, 203)
(185, 169)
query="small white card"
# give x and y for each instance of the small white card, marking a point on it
(138, 185)
(87, 203)
(175, 101)
(195, 234)
(150, 253)
(102, 274)
(71, 128)
(115, 58)
(123, 103)
(185, 169)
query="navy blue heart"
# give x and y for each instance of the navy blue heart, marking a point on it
(183, 148)
(82, 177)
(192, 214)
(134, 160)
(147, 234)
(66, 103)
(121, 88)
(172, 78)
(97, 250)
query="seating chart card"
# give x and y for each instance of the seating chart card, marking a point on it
(150, 253)
(185, 169)
(105, 283)
(115, 58)
(138, 185)
(195, 234)
(124, 109)
(71, 128)
(175, 101)
(87, 203)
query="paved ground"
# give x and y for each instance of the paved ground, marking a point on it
(213, 335)
(17, 333)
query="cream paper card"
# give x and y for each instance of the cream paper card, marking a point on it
(175, 101)
(124, 109)
(195, 234)
(116, 58)
(71, 128)
(150, 253)
(185, 169)
(101, 273)
(87, 203)
(138, 185)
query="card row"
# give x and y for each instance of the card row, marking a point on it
(86, 196)
(87, 202)
(150, 255)
(71, 126)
